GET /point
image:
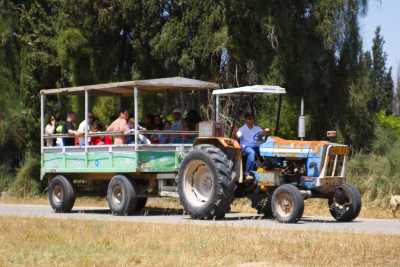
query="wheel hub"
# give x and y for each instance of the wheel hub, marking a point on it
(117, 194)
(198, 184)
(285, 204)
(58, 194)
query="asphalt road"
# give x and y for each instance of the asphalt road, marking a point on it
(360, 225)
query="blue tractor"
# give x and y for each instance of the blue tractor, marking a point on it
(290, 171)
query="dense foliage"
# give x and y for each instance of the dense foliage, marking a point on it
(312, 48)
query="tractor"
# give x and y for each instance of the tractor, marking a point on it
(287, 173)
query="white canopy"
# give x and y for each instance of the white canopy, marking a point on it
(252, 89)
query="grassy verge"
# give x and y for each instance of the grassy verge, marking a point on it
(89, 243)
(314, 207)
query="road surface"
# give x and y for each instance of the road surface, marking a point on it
(360, 225)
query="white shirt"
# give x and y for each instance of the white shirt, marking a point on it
(81, 130)
(246, 135)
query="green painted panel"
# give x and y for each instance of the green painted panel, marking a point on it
(118, 162)
(157, 161)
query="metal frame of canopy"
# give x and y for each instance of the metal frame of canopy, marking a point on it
(251, 90)
(122, 89)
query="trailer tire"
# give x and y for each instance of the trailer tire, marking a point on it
(287, 204)
(345, 204)
(206, 182)
(61, 194)
(121, 196)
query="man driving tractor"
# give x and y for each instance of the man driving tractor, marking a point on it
(248, 143)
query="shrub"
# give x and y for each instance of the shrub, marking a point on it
(26, 182)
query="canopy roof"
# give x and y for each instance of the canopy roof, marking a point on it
(252, 89)
(126, 88)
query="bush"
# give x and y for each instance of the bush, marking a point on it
(26, 183)
(6, 178)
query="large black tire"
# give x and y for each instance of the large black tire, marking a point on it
(206, 183)
(121, 196)
(345, 204)
(140, 204)
(287, 204)
(61, 194)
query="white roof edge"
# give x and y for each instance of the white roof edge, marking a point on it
(251, 89)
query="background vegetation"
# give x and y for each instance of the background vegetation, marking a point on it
(312, 48)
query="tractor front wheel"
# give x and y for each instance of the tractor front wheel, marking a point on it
(345, 204)
(287, 204)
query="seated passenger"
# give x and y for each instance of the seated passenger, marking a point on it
(70, 128)
(82, 128)
(50, 129)
(246, 135)
(130, 139)
(176, 124)
(120, 125)
(96, 127)
(165, 138)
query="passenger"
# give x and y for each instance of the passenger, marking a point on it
(82, 128)
(157, 126)
(176, 124)
(96, 127)
(70, 128)
(194, 118)
(120, 125)
(158, 123)
(165, 138)
(50, 129)
(148, 122)
(59, 140)
(131, 125)
(187, 125)
(248, 145)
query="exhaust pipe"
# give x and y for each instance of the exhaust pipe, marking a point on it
(302, 122)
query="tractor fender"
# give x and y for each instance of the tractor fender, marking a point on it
(231, 147)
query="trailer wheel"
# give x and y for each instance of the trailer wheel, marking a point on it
(61, 194)
(345, 204)
(287, 204)
(121, 196)
(206, 183)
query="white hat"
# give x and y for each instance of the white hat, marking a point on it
(176, 110)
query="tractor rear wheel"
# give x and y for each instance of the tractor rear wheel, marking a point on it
(206, 183)
(287, 204)
(61, 194)
(345, 204)
(121, 196)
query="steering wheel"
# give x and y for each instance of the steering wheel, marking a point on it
(260, 137)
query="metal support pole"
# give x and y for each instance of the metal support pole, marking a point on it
(217, 108)
(86, 119)
(41, 122)
(135, 103)
(278, 115)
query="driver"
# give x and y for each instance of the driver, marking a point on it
(248, 144)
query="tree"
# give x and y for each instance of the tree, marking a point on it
(381, 78)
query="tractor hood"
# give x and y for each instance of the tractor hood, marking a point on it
(279, 147)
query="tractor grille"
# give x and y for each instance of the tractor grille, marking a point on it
(335, 162)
